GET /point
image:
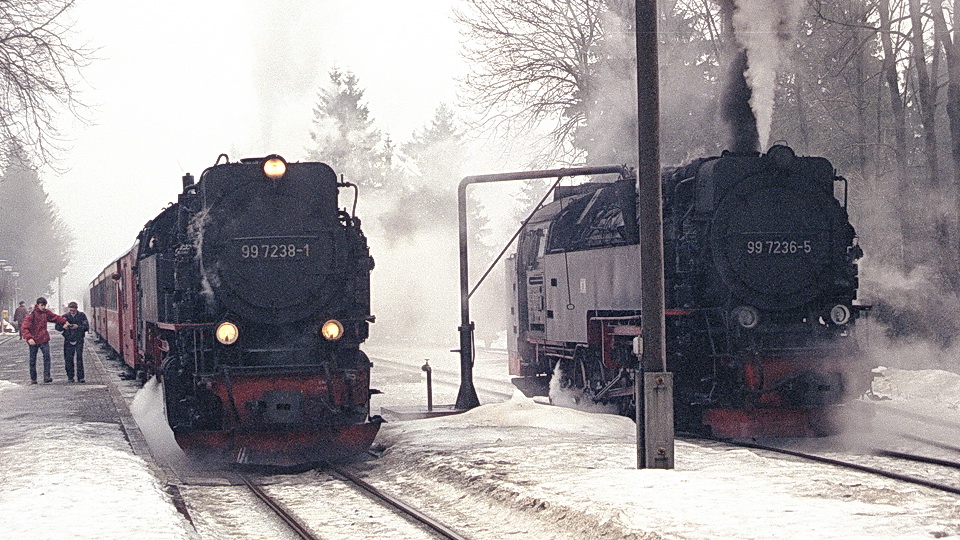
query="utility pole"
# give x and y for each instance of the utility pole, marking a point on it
(653, 383)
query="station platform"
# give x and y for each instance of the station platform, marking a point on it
(71, 454)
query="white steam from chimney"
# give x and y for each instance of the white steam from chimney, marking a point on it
(765, 28)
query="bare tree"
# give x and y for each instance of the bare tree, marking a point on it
(531, 61)
(950, 241)
(39, 68)
(926, 92)
(569, 65)
(951, 49)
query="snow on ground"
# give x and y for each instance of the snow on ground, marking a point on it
(929, 385)
(579, 469)
(148, 410)
(74, 479)
(545, 472)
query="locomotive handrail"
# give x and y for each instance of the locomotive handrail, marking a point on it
(839, 178)
(178, 326)
(293, 368)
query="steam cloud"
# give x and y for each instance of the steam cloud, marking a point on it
(208, 278)
(287, 66)
(763, 30)
(574, 398)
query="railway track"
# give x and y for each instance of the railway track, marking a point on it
(890, 456)
(297, 526)
(432, 524)
(300, 525)
(222, 503)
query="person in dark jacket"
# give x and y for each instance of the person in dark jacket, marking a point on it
(18, 317)
(73, 332)
(34, 330)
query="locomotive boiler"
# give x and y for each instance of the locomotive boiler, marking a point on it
(760, 267)
(249, 298)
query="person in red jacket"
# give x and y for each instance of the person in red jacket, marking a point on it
(34, 330)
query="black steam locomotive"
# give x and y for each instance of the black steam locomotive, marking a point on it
(760, 288)
(252, 299)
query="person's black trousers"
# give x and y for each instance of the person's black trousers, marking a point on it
(69, 351)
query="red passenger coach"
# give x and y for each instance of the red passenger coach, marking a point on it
(113, 296)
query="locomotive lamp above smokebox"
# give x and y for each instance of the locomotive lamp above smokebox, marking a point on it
(274, 167)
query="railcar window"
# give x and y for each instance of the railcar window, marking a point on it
(532, 247)
(588, 222)
(96, 295)
(541, 245)
(110, 295)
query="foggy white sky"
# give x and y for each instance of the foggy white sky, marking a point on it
(180, 82)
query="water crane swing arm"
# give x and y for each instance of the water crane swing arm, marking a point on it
(467, 396)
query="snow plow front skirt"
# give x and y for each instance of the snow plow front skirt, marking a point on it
(739, 423)
(280, 447)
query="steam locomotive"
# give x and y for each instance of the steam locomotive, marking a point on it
(249, 299)
(760, 267)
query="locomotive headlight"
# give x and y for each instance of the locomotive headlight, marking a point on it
(746, 316)
(332, 330)
(839, 314)
(274, 167)
(227, 333)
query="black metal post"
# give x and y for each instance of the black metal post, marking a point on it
(467, 395)
(426, 367)
(640, 414)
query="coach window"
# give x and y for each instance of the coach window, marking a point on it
(533, 247)
(541, 244)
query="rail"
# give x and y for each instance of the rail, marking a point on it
(864, 468)
(435, 526)
(302, 530)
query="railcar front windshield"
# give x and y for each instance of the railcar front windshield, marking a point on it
(588, 222)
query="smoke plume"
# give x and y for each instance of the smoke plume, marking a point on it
(763, 30)
(735, 108)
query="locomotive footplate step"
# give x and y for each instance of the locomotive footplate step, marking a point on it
(415, 412)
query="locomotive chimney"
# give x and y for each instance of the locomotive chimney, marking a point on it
(187, 181)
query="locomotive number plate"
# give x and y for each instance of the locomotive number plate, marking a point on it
(260, 251)
(779, 247)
